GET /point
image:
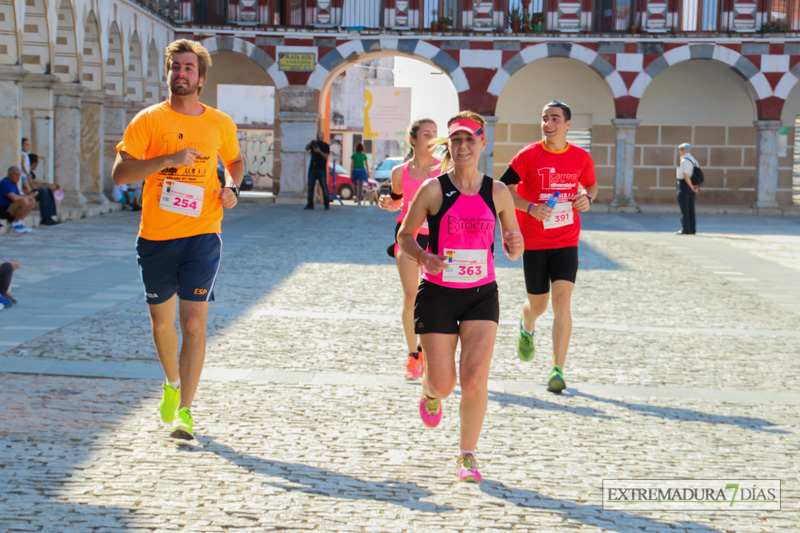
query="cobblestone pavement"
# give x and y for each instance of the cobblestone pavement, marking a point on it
(683, 364)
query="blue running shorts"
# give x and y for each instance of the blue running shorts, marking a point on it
(186, 266)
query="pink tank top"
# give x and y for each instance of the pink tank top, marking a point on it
(410, 187)
(463, 230)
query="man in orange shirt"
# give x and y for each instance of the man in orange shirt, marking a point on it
(550, 169)
(174, 147)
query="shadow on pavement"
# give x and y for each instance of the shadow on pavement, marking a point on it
(590, 515)
(685, 415)
(706, 223)
(505, 400)
(590, 258)
(321, 482)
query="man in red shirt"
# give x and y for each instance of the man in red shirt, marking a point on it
(551, 232)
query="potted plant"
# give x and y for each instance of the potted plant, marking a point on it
(775, 26)
(434, 21)
(444, 23)
(526, 22)
(537, 22)
(515, 20)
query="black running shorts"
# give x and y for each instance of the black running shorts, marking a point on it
(439, 309)
(542, 267)
(422, 240)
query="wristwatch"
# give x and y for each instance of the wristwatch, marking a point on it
(235, 190)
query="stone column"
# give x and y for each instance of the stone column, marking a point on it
(37, 121)
(92, 140)
(767, 166)
(486, 163)
(10, 116)
(68, 142)
(114, 123)
(296, 126)
(623, 183)
(296, 131)
(132, 110)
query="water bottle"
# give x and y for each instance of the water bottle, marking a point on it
(553, 200)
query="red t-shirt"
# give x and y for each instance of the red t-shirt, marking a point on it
(542, 173)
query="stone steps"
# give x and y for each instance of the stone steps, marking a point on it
(67, 213)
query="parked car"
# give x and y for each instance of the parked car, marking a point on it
(344, 185)
(384, 169)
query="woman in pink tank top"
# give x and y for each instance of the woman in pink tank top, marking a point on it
(457, 297)
(406, 179)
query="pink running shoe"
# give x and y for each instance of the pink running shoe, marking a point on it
(467, 468)
(430, 409)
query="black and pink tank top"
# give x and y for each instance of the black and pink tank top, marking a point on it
(463, 230)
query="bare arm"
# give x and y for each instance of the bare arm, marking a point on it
(386, 201)
(25, 171)
(128, 169)
(235, 168)
(427, 200)
(582, 203)
(540, 211)
(513, 243)
(688, 179)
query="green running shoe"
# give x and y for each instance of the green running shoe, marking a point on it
(169, 402)
(524, 344)
(182, 425)
(556, 383)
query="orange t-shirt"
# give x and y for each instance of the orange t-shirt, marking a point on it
(158, 130)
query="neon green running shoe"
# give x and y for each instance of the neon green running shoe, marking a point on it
(556, 383)
(182, 425)
(169, 402)
(524, 344)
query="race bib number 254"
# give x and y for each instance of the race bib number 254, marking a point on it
(181, 198)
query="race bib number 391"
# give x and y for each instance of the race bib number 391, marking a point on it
(562, 215)
(181, 198)
(464, 266)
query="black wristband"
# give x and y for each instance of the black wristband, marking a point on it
(235, 190)
(590, 199)
(396, 196)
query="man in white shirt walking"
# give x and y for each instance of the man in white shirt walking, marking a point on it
(687, 191)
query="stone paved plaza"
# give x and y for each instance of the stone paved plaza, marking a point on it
(683, 364)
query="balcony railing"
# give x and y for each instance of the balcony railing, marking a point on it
(530, 16)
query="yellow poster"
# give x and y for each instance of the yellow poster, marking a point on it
(295, 61)
(387, 112)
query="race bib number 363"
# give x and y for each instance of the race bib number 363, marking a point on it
(464, 266)
(181, 198)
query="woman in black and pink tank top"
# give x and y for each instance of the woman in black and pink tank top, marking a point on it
(406, 180)
(457, 297)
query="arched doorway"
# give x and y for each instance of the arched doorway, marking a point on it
(241, 87)
(704, 103)
(573, 82)
(790, 117)
(348, 98)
